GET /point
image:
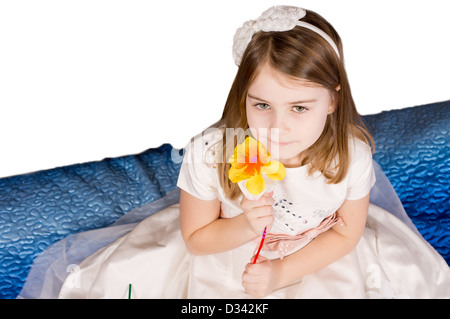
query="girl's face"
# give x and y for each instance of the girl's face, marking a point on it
(285, 114)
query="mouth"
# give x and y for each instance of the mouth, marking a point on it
(278, 143)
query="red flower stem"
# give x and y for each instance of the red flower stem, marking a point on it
(260, 245)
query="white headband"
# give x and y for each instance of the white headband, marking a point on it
(277, 18)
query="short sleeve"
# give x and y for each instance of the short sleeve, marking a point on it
(361, 172)
(197, 176)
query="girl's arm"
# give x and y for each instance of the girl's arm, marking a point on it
(262, 278)
(204, 232)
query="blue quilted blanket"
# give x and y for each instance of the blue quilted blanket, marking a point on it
(413, 149)
(38, 209)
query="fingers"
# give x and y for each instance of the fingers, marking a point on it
(266, 199)
(254, 289)
(252, 273)
(256, 279)
(256, 269)
(259, 213)
(259, 260)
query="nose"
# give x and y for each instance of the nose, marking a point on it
(280, 121)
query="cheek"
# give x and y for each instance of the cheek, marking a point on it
(319, 129)
(320, 124)
(311, 130)
(250, 119)
(254, 120)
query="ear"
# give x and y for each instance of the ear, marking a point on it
(334, 95)
(333, 101)
(331, 109)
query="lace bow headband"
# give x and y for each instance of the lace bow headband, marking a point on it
(277, 18)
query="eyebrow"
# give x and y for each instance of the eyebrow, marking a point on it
(295, 102)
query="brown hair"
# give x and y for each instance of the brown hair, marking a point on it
(302, 54)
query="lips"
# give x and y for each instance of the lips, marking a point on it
(279, 143)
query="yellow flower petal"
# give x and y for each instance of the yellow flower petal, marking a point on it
(255, 184)
(275, 170)
(240, 153)
(249, 161)
(237, 174)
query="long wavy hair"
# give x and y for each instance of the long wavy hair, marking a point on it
(302, 54)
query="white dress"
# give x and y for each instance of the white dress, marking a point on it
(390, 261)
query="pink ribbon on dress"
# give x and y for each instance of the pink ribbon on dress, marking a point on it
(285, 243)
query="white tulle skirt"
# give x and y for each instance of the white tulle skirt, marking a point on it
(390, 261)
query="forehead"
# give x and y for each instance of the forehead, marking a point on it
(274, 85)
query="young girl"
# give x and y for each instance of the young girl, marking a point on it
(323, 238)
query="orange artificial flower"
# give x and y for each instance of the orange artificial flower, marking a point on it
(250, 161)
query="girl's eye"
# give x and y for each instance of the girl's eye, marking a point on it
(299, 109)
(262, 106)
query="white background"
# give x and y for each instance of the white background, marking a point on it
(87, 79)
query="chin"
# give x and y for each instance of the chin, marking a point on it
(288, 159)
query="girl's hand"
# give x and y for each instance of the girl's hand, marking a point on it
(259, 213)
(259, 279)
